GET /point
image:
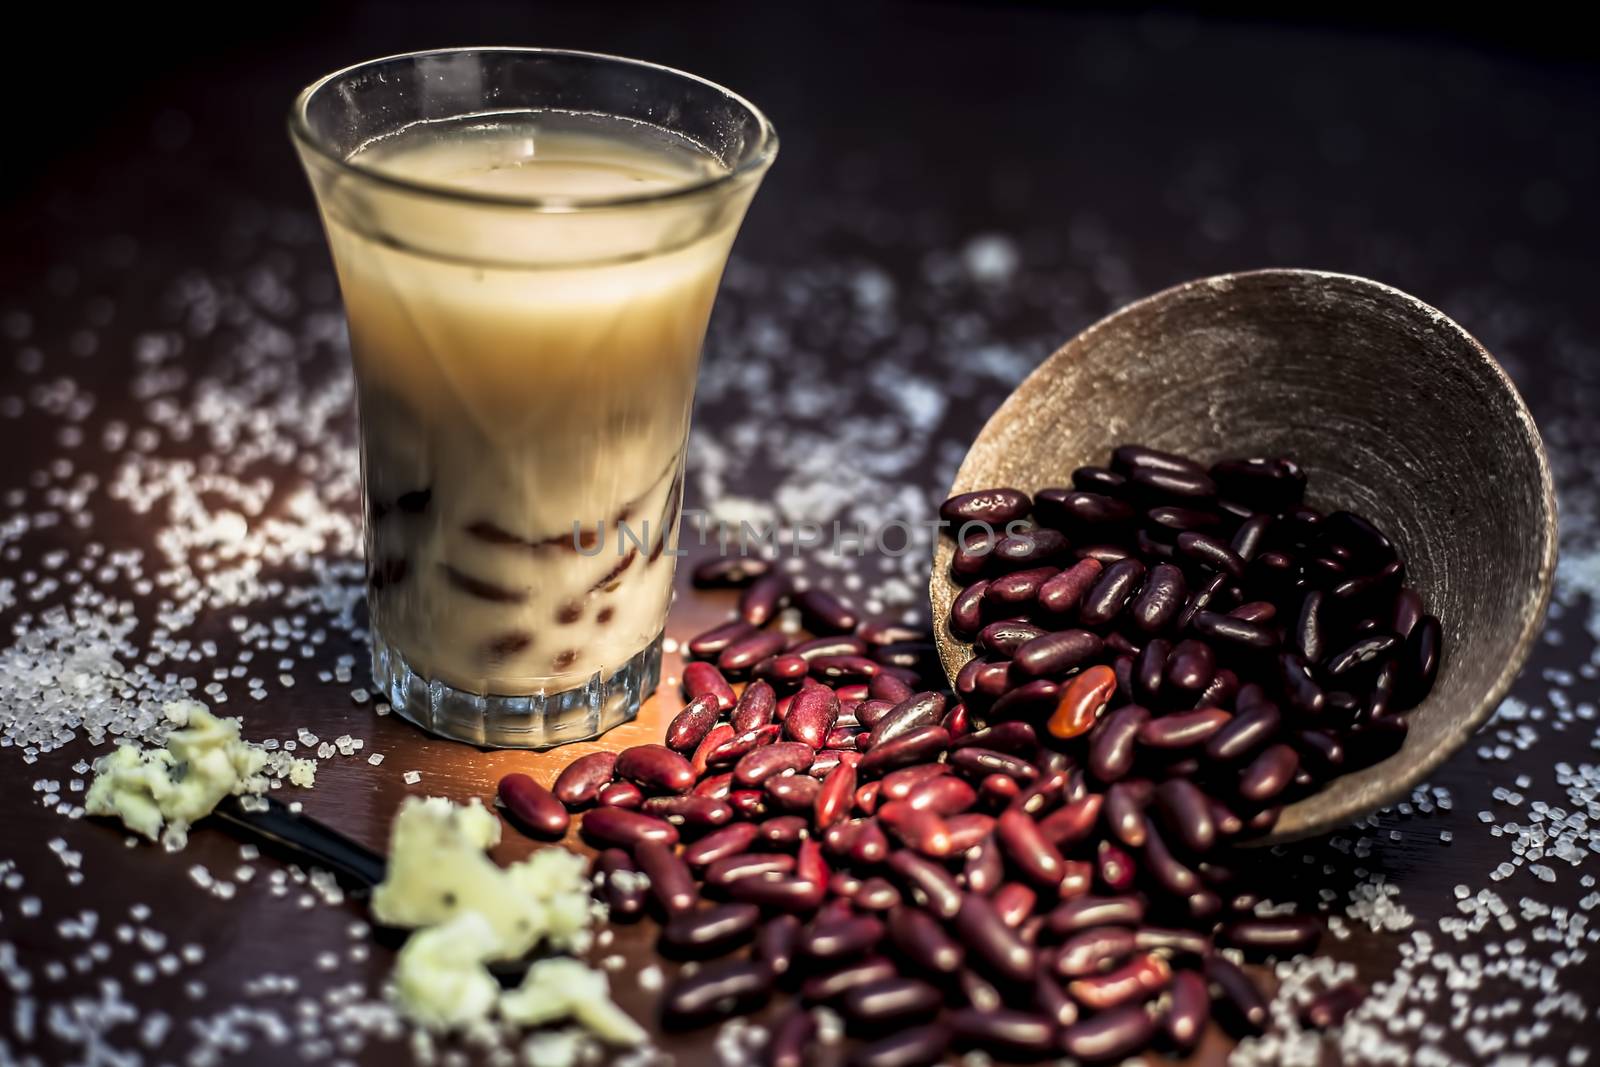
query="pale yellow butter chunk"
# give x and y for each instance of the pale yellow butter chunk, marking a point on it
(439, 977)
(564, 988)
(204, 760)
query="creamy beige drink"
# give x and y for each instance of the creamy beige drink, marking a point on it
(525, 382)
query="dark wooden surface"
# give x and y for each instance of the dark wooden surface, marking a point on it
(1115, 155)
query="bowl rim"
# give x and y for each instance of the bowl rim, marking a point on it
(954, 653)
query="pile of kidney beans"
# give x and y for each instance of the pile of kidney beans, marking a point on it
(1039, 865)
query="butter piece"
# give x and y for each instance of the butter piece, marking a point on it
(555, 1048)
(204, 760)
(439, 977)
(564, 988)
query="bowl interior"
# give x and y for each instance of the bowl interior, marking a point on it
(1393, 410)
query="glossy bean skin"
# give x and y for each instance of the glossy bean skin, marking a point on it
(1081, 701)
(656, 768)
(943, 795)
(916, 1046)
(1113, 742)
(713, 742)
(792, 1039)
(694, 812)
(1124, 808)
(994, 507)
(1172, 875)
(731, 840)
(1073, 821)
(1279, 936)
(794, 793)
(779, 894)
(1420, 659)
(919, 829)
(1267, 484)
(715, 991)
(1016, 738)
(532, 806)
(835, 941)
(1230, 631)
(1186, 813)
(1016, 592)
(671, 882)
(986, 936)
(834, 799)
(1111, 594)
(712, 642)
(1158, 603)
(1013, 1034)
(915, 746)
(1094, 951)
(1300, 688)
(920, 938)
(703, 679)
(928, 883)
(1027, 700)
(823, 613)
(811, 716)
(1328, 1008)
(1191, 666)
(729, 571)
(755, 708)
(1269, 773)
(1063, 592)
(763, 598)
(1055, 654)
(1028, 849)
(1109, 1036)
(753, 647)
(1246, 732)
(699, 934)
(1210, 552)
(581, 780)
(1004, 637)
(760, 764)
(891, 1000)
(690, 726)
(973, 760)
(914, 712)
(624, 896)
(1247, 1011)
(726, 870)
(626, 829)
(1088, 912)
(775, 941)
(620, 794)
(1082, 515)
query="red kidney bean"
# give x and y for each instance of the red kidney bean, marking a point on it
(532, 806)
(1112, 742)
(1405, 614)
(626, 829)
(1029, 699)
(751, 803)
(921, 940)
(755, 707)
(1256, 611)
(715, 991)
(1028, 849)
(1087, 912)
(1227, 823)
(1078, 878)
(986, 761)
(783, 668)
(810, 863)
(1164, 524)
(1071, 822)
(1172, 940)
(760, 764)
(1065, 590)
(1114, 867)
(725, 870)
(1093, 951)
(1360, 657)
(1124, 806)
(1160, 600)
(655, 767)
(834, 941)
(942, 795)
(831, 986)
(707, 645)
(877, 894)
(973, 554)
(919, 829)
(1234, 632)
(1003, 638)
(866, 797)
(620, 795)
(830, 645)
(1185, 811)
(957, 721)
(1365, 541)
(1302, 691)
(913, 1047)
(671, 884)
(1028, 548)
(871, 845)
(1009, 1033)
(915, 746)
(984, 933)
(1191, 666)
(993, 507)
(888, 688)
(1186, 486)
(891, 1000)
(1328, 1008)
(1221, 693)
(1201, 599)
(1184, 729)
(1247, 731)
(811, 716)
(1109, 1035)
(829, 758)
(1250, 535)
(1051, 1000)
(836, 669)
(834, 798)
(723, 571)
(690, 726)
(1056, 653)
(1016, 738)
(917, 710)
(889, 633)
(1210, 552)
(844, 738)
(1017, 591)
(1013, 902)
(1149, 668)
(624, 895)
(703, 679)
(1130, 459)
(580, 781)
(731, 840)
(1323, 748)
(1115, 588)
(1247, 1009)
(792, 1039)
(775, 941)
(1286, 936)
(714, 740)
(763, 599)
(1266, 484)
(984, 871)
(1269, 773)
(1081, 514)
(927, 883)
(993, 679)
(1420, 659)
(1099, 480)
(823, 613)
(783, 831)
(1172, 875)
(1081, 701)
(697, 812)
(967, 829)
(966, 610)
(779, 893)
(793, 792)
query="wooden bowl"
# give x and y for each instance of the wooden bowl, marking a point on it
(1393, 410)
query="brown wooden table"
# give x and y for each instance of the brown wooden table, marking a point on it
(1109, 156)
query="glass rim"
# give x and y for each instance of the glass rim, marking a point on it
(759, 159)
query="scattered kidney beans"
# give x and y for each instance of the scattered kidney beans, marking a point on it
(1169, 653)
(533, 806)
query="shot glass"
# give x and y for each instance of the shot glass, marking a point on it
(528, 243)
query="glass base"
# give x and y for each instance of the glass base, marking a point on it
(539, 720)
